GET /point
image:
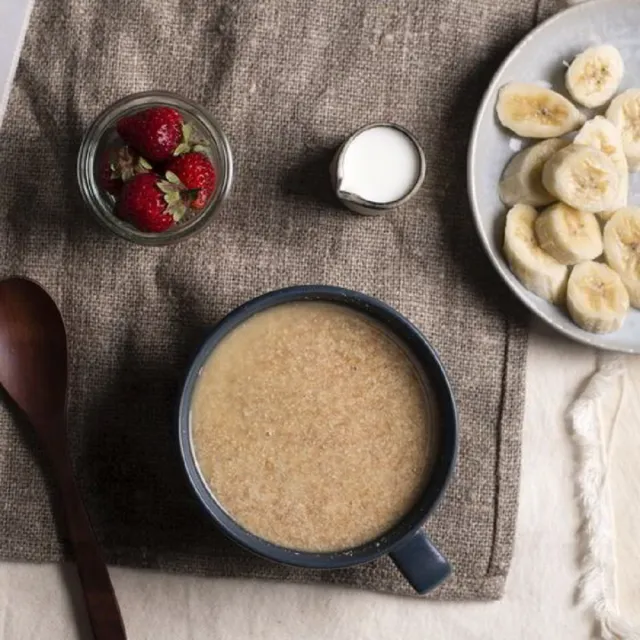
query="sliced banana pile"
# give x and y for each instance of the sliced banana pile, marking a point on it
(582, 249)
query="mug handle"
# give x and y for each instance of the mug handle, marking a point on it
(420, 562)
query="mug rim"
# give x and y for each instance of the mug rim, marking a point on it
(428, 362)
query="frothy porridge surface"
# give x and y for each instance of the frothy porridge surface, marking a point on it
(311, 427)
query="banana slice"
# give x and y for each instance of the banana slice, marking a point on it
(622, 249)
(624, 112)
(532, 111)
(537, 271)
(603, 135)
(595, 75)
(596, 298)
(568, 235)
(582, 177)
(522, 178)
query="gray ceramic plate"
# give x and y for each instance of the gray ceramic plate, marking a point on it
(539, 58)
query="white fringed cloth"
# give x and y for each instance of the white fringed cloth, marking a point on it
(605, 423)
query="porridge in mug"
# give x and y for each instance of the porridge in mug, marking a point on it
(312, 427)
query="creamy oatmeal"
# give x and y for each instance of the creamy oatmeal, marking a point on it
(311, 426)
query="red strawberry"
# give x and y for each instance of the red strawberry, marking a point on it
(118, 165)
(151, 204)
(195, 171)
(154, 133)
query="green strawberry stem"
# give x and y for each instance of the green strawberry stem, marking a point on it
(190, 142)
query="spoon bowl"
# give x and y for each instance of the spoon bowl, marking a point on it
(33, 356)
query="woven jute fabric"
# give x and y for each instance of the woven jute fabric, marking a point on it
(288, 80)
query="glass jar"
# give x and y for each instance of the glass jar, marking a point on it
(102, 134)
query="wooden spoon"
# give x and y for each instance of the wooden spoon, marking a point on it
(33, 371)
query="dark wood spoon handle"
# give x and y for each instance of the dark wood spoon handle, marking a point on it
(99, 596)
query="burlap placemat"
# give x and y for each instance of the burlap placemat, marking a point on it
(288, 79)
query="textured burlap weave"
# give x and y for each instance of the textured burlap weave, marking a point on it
(288, 80)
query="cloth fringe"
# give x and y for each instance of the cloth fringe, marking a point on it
(597, 584)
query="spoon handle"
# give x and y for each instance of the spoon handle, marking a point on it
(100, 598)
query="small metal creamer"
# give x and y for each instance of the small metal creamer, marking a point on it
(358, 204)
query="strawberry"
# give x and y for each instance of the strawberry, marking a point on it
(155, 133)
(117, 165)
(152, 204)
(195, 171)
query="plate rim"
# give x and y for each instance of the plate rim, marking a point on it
(592, 340)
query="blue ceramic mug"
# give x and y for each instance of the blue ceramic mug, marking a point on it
(407, 543)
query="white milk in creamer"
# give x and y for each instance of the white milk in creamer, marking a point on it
(381, 165)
